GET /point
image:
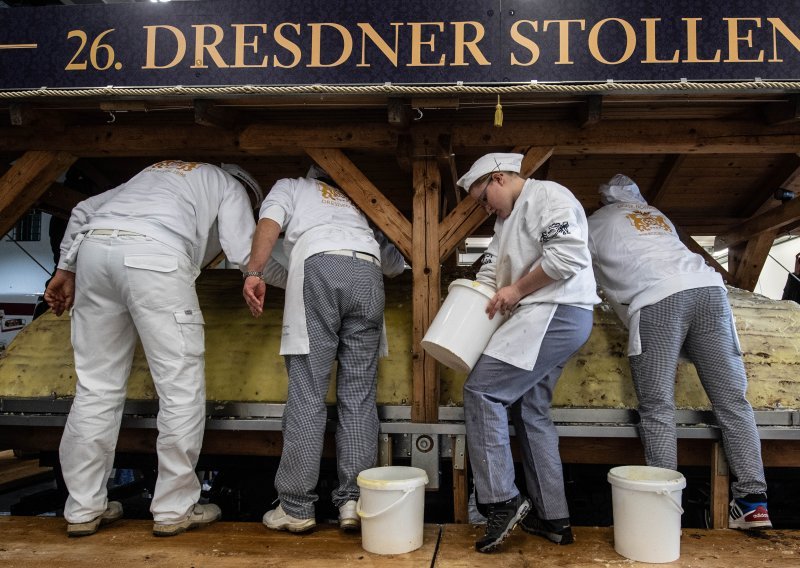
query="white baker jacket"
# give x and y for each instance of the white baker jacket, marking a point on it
(546, 227)
(315, 218)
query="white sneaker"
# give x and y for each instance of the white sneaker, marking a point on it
(348, 517)
(279, 520)
(200, 516)
(112, 513)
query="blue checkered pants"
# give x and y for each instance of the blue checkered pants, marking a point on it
(344, 313)
(700, 321)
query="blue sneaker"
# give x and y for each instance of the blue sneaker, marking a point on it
(748, 515)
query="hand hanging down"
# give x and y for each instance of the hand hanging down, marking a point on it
(60, 293)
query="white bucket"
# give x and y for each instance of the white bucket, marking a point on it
(392, 508)
(461, 329)
(647, 512)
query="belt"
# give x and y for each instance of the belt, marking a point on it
(112, 233)
(355, 254)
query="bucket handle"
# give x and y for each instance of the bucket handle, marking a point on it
(671, 500)
(363, 515)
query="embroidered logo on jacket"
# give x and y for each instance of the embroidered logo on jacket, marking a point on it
(644, 221)
(555, 230)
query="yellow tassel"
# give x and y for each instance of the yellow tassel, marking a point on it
(498, 113)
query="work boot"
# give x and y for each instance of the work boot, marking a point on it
(348, 517)
(279, 520)
(200, 516)
(556, 530)
(112, 513)
(501, 518)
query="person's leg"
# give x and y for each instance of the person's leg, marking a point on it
(662, 327)
(712, 346)
(357, 376)
(103, 339)
(305, 415)
(163, 303)
(568, 331)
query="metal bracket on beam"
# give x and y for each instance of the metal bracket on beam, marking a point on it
(425, 455)
(384, 450)
(459, 452)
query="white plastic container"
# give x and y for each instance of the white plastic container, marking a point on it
(461, 329)
(392, 508)
(647, 512)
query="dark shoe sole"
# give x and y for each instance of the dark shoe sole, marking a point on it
(493, 545)
(552, 537)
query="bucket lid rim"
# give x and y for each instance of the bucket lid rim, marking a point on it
(479, 287)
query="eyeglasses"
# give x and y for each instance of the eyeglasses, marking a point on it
(482, 197)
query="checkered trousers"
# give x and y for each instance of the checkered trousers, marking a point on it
(700, 321)
(344, 303)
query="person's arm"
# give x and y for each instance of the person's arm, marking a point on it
(392, 261)
(509, 296)
(255, 289)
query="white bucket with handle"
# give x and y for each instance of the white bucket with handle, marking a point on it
(647, 512)
(461, 329)
(392, 508)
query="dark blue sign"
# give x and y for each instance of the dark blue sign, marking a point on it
(411, 42)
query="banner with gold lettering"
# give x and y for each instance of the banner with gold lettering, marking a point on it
(415, 42)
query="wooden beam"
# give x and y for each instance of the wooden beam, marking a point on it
(425, 265)
(615, 137)
(668, 171)
(27, 116)
(399, 113)
(692, 245)
(366, 196)
(58, 200)
(760, 199)
(720, 483)
(782, 113)
(745, 261)
(772, 220)
(208, 113)
(592, 112)
(447, 163)
(535, 156)
(26, 181)
(459, 224)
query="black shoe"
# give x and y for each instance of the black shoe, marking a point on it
(554, 531)
(501, 519)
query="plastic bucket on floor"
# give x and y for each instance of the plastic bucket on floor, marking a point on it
(392, 508)
(461, 329)
(647, 512)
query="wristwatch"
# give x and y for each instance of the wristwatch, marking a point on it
(249, 273)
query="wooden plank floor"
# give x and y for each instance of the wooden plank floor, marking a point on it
(27, 542)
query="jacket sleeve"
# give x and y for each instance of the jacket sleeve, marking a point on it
(234, 220)
(562, 235)
(488, 271)
(392, 262)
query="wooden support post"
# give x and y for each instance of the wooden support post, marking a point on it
(460, 484)
(720, 480)
(26, 181)
(425, 264)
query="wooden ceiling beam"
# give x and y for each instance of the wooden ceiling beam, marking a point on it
(693, 246)
(447, 164)
(535, 157)
(58, 200)
(786, 175)
(460, 223)
(366, 196)
(208, 113)
(25, 115)
(773, 220)
(667, 173)
(592, 111)
(746, 260)
(614, 137)
(26, 181)
(782, 113)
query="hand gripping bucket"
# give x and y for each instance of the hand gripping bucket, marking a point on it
(647, 512)
(461, 329)
(392, 508)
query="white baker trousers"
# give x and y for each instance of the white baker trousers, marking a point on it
(125, 285)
